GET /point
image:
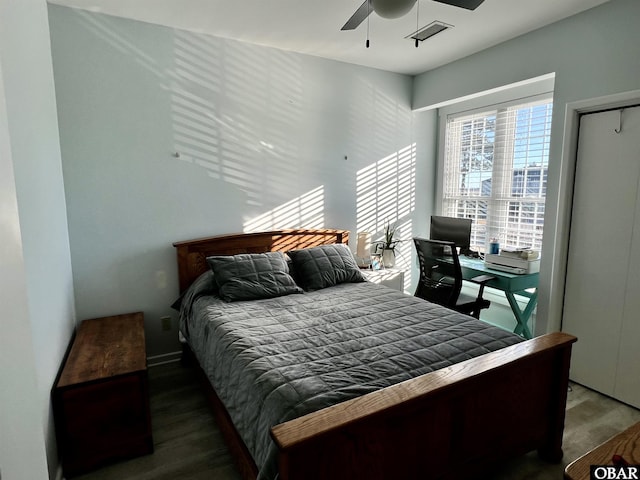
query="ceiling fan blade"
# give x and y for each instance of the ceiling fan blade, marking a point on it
(357, 18)
(468, 4)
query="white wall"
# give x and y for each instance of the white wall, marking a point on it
(22, 446)
(592, 54)
(35, 280)
(262, 136)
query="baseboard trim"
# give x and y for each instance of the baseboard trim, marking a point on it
(171, 357)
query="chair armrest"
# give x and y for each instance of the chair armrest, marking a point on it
(482, 279)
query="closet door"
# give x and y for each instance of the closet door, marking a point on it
(627, 385)
(602, 290)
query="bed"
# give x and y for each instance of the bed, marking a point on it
(405, 388)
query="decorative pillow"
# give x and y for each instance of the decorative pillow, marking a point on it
(325, 266)
(251, 276)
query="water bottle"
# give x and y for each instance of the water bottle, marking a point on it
(494, 246)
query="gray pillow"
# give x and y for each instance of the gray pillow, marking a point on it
(251, 276)
(203, 285)
(325, 266)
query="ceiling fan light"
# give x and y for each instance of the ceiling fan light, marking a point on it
(392, 8)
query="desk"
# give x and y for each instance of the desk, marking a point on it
(510, 284)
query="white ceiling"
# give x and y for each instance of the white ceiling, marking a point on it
(313, 27)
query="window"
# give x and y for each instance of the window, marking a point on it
(495, 172)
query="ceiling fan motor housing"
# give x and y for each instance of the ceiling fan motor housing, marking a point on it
(392, 8)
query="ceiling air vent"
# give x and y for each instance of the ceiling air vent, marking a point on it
(429, 31)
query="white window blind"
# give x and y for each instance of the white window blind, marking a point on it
(495, 172)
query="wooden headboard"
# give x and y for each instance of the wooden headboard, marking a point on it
(192, 254)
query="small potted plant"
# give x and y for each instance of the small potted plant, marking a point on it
(386, 247)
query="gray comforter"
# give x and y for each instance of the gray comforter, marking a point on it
(276, 359)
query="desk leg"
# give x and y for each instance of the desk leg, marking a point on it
(522, 316)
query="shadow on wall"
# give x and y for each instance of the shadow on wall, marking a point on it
(260, 140)
(274, 126)
(305, 211)
(247, 117)
(239, 114)
(235, 113)
(386, 194)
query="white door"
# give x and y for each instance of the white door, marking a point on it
(602, 292)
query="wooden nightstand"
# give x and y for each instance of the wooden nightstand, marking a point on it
(101, 399)
(391, 277)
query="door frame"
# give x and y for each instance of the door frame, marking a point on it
(573, 111)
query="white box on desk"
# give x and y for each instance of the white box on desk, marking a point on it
(530, 266)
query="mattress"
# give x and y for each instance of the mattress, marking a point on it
(276, 359)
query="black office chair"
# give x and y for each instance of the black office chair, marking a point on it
(441, 278)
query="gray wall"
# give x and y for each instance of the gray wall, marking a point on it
(593, 54)
(266, 139)
(36, 291)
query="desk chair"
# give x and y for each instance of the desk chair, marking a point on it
(441, 278)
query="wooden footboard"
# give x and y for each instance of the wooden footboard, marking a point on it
(452, 423)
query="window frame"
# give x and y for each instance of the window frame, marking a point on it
(491, 102)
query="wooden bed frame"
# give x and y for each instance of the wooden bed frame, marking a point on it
(453, 423)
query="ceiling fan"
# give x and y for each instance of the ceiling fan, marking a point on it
(396, 9)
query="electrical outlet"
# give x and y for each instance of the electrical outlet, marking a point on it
(166, 323)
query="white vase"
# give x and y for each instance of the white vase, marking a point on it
(388, 258)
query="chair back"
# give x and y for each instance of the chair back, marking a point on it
(440, 272)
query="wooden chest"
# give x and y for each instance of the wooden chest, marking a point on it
(101, 399)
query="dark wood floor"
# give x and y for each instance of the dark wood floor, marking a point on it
(188, 445)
